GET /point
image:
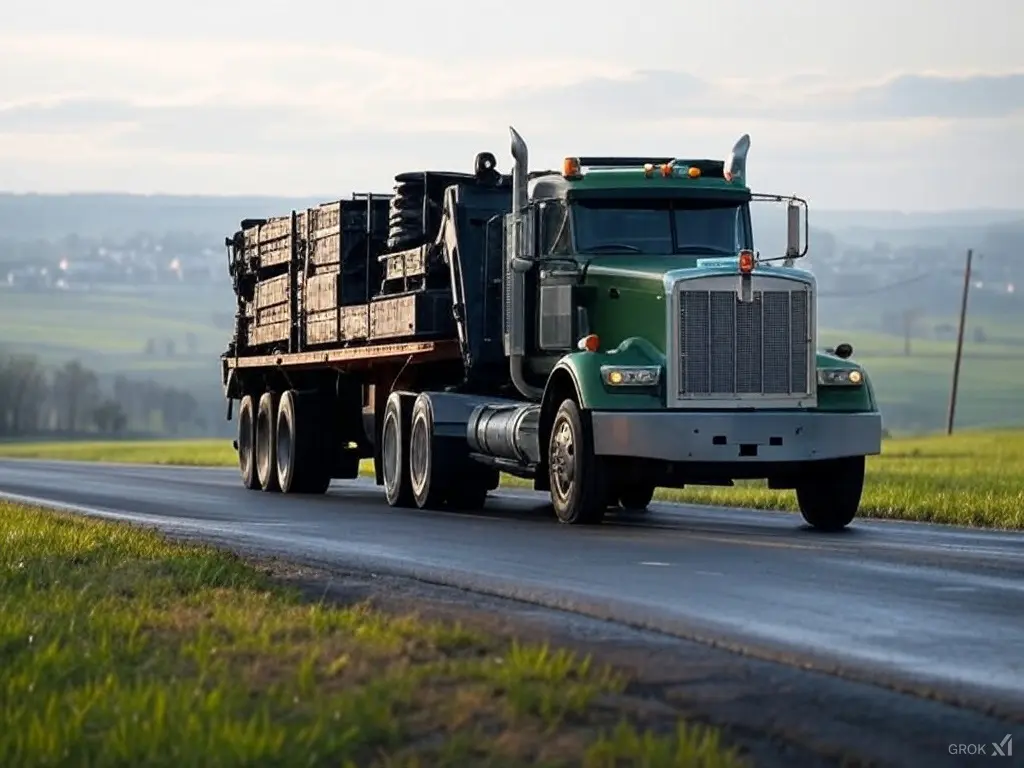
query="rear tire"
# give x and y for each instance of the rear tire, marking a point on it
(302, 450)
(394, 439)
(429, 469)
(578, 477)
(829, 495)
(266, 443)
(247, 443)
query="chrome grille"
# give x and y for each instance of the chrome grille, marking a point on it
(730, 347)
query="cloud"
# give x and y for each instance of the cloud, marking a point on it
(211, 116)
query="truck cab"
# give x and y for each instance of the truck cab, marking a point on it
(664, 349)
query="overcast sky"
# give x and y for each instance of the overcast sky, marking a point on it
(908, 104)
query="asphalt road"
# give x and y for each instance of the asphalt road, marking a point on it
(909, 605)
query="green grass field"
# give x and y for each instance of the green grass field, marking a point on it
(974, 478)
(121, 648)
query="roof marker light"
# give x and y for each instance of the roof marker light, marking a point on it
(571, 167)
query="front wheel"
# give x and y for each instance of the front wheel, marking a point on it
(636, 497)
(829, 495)
(577, 477)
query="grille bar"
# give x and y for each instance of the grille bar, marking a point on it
(734, 348)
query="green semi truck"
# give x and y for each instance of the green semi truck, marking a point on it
(603, 329)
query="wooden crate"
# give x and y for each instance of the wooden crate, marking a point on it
(426, 313)
(337, 326)
(322, 327)
(276, 290)
(410, 263)
(325, 234)
(353, 322)
(269, 333)
(322, 291)
(270, 243)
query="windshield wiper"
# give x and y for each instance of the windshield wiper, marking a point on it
(612, 246)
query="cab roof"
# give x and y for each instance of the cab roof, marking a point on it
(635, 177)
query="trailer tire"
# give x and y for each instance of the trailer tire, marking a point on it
(247, 443)
(394, 437)
(829, 495)
(266, 443)
(578, 477)
(429, 469)
(302, 451)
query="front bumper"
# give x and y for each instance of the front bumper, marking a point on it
(736, 437)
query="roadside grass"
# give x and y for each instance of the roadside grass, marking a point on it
(973, 478)
(122, 648)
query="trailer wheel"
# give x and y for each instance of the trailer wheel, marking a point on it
(429, 469)
(247, 443)
(301, 451)
(636, 497)
(830, 493)
(266, 443)
(579, 482)
(395, 449)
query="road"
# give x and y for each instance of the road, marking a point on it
(901, 604)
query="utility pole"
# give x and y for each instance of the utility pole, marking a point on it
(959, 344)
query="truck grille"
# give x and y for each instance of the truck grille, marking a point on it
(733, 348)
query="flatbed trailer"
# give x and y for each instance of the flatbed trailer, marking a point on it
(602, 330)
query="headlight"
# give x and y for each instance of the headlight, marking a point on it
(631, 375)
(840, 377)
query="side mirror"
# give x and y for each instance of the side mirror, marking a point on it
(793, 227)
(844, 350)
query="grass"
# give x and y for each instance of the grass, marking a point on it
(974, 478)
(121, 648)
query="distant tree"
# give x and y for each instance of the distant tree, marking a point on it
(76, 389)
(23, 394)
(110, 418)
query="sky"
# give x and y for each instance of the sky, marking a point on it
(915, 105)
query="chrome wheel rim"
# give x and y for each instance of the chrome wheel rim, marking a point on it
(562, 458)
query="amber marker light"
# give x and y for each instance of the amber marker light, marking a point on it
(746, 262)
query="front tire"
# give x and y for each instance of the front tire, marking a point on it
(266, 443)
(829, 495)
(635, 498)
(579, 482)
(247, 443)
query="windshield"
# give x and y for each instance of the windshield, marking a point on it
(661, 226)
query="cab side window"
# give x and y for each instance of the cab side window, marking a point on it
(554, 229)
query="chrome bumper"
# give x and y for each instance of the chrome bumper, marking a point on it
(744, 437)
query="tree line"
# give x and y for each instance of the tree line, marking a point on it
(72, 399)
